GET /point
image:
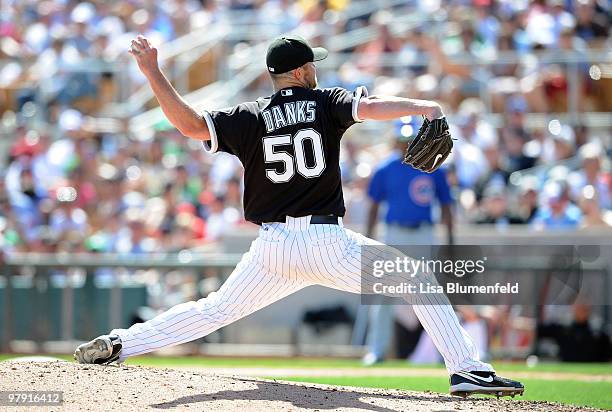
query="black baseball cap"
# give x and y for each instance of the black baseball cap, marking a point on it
(290, 52)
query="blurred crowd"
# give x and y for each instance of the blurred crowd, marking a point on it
(68, 187)
(50, 48)
(100, 193)
(558, 178)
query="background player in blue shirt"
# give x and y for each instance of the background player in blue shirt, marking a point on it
(408, 195)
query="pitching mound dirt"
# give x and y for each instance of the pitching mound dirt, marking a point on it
(106, 388)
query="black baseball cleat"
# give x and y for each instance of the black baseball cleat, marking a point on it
(102, 350)
(487, 383)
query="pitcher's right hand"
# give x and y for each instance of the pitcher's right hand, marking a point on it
(145, 54)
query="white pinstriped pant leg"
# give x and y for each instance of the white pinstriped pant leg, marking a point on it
(339, 253)
(264, 275)
(284, 259)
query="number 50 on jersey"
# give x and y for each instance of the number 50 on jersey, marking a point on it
(296, 162)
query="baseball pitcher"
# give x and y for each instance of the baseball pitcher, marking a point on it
(289, 144)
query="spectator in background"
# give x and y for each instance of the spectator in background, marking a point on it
(170, 200)
(67, 216)
(185, 186)
(460, 79)
(547, 85)
(220, 220)
(493, 208)
(496, 175)
(592, 22)
(488, 26)
(414, 50)
(82, 182)
(26, 153)
(504, 82)
(11, 234)
(108, 180)
(528, 199)
(556, 212)
(560, 145)
(357, 201)
(233, 195)
(136, 240)
(582, 135)
(591, 174)
(561, 18)
(467, 156)
(515, 136)
(593, 216)
(546, 19)
(24, 199)
(349, 160)
(372, 53)
(517, 158)
(188, 232)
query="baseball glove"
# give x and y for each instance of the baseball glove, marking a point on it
(430, 147)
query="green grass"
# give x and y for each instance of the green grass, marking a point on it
(222, 362)
(245, 362)
(5, 356)
(583, 368)
(197, 361)
(594, 394)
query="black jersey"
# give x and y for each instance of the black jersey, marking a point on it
(289, 145)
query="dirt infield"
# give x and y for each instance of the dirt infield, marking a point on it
(104, 388)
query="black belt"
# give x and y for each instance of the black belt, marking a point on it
(323, 220)
(317, 220)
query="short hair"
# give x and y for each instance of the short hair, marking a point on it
(279, 76)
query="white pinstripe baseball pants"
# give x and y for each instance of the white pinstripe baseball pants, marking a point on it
(285, 258)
